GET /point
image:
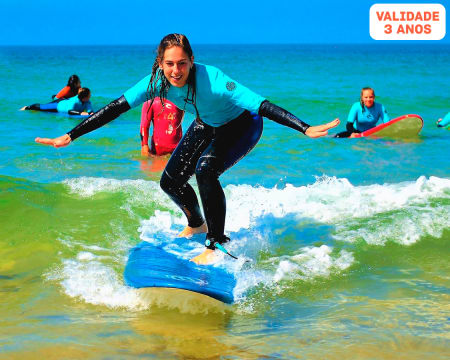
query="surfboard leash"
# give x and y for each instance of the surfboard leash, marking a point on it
(220, 247)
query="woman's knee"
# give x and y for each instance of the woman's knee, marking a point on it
(207, 169)
(166, 183)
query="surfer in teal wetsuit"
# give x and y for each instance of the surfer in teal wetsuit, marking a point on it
(364, 115)
(77, 105)
(445, 122)
(228, 125)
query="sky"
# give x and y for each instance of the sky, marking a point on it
(129, 22)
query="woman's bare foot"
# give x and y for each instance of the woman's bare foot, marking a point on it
(206, 257)
(22, 109)
(189, 231)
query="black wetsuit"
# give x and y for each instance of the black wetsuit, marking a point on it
(348, 133)
(208, 151)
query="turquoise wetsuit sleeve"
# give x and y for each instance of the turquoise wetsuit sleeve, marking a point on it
(236, 93)
(89, 108)
(137, 95)
(385, 115)
(352, 117)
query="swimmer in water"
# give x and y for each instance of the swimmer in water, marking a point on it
(445, 122)
(364, 115)
(228, 124)
(78, 105)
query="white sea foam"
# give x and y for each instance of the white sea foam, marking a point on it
(84, 255)
(329, 200)
(88, 186)
(138, 191)
(161, 222)
(95, 283)
(403, 212)
(311, 262)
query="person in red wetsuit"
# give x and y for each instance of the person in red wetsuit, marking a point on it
(167, 131)
(70, 90)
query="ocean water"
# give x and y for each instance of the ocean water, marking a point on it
(347, 238)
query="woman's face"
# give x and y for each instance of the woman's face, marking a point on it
(176, 65)
(368, 98)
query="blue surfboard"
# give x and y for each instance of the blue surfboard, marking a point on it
(151, 266)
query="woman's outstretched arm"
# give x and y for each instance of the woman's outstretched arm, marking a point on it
(106, 114)
(284, 117)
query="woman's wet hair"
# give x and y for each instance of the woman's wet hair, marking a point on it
(74, 83)
(168, 42)
(363, 107)
(83, 93)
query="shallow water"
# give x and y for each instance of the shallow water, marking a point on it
(348, 239)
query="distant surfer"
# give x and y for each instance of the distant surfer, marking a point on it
(445, 122)
(77, 105)
(167, 131)
(228, 125)
(364, 115)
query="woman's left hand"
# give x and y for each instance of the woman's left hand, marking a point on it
(321, 130)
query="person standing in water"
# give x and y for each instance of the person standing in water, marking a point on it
(228, 124)
(167, 131)
(364, 115)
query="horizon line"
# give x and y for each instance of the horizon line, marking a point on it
(373, 42)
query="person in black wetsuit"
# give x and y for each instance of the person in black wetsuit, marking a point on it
(228, 125)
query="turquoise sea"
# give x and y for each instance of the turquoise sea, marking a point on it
(348, 238)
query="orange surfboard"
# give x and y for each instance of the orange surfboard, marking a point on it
(405, 126)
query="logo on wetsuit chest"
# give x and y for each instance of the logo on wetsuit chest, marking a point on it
(170, 118)
(231, 86)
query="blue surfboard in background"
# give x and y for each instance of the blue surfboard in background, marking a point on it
(151, 266)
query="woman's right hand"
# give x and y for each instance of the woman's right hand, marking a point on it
(56, 142)
(145, 151)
